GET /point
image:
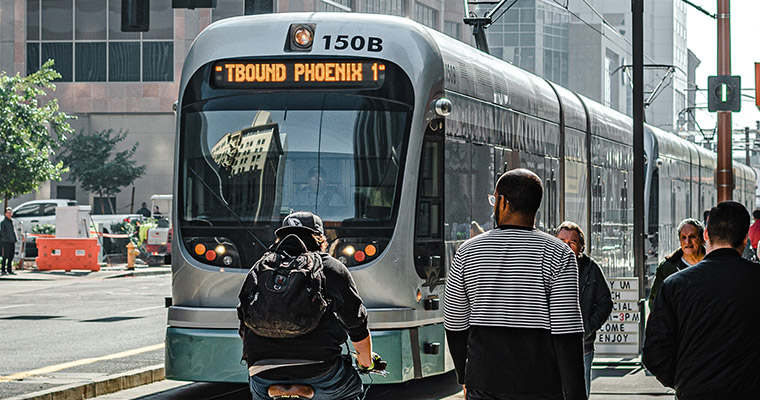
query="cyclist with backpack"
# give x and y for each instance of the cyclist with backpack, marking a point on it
(298, 305)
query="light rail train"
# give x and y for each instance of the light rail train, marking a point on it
(394, 134)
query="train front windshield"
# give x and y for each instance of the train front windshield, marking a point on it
(251, 158)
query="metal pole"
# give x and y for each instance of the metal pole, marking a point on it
(638, 155)
(746, 148)
(725, 176)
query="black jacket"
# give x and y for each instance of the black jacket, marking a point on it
(7, 233)
(346, 317)
(669, 266)
(595, 299)
(701, 337)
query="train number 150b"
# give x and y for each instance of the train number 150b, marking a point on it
(343, 42)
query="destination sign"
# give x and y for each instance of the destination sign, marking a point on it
(247, 74)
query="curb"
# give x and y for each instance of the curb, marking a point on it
(132, 274)
(101, 386)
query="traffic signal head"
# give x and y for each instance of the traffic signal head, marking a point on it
(724, 93)
(135, 15)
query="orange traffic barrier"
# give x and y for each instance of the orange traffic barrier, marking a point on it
(67, 254)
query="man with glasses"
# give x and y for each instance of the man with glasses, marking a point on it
(7, 242)
(594, 292)
(511, 314)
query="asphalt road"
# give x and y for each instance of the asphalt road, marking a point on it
(56, 332)
(441, 387)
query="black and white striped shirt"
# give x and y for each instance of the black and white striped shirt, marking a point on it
(513, 278)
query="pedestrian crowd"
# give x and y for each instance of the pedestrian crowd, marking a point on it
(522, 309)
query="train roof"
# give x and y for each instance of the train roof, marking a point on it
(485, 77)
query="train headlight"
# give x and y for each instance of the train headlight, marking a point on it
(217, 251)
(355, 251)
(301, 37)
(349, 251)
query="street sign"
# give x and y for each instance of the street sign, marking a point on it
(619, 335)
(724, 93)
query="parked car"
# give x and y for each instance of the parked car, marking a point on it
(40, 212)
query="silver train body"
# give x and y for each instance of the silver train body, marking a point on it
(441, 166)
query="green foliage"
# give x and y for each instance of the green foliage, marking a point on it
(30, 131)
(124, 227)
(95, 163)
(44, 229)
(128, 227)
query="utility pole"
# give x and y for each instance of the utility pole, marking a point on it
(725, 176)
(637, 9)
(747, 146)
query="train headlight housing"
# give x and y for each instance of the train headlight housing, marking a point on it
(354, 251)
(217, 251)
(301, 37)
(442, 107)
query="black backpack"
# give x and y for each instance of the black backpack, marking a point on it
(282, 296)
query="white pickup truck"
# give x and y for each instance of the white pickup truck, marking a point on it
(40, 212)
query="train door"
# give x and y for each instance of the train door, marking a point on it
(594, 246)
(483, 172)
(538, 164)
(551, 194)
(501, 157)
(428, 242)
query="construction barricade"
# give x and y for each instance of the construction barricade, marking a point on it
(67, 254)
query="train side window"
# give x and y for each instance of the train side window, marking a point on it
(428, 211)
(428, 243)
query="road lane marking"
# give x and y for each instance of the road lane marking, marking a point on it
(77, 363)
(141, 309)
(15, 305)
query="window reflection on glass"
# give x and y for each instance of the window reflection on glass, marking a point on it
(342, 164)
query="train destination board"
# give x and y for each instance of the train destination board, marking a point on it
(247, 74)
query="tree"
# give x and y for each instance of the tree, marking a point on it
(30, 131)
(95, 164)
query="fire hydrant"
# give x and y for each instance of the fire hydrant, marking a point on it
(131, 254)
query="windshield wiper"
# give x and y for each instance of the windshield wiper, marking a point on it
(226, 205)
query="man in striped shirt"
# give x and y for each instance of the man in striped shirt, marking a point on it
(511, 309)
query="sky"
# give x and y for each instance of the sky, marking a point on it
(702, 36)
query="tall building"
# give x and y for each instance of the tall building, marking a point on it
(130, 80)
(586, 45)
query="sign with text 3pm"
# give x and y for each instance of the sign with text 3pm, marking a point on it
(619, 335)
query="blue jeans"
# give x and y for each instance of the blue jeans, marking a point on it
(342, 382)
(587, 359)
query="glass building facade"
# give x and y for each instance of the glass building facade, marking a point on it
(533, 34)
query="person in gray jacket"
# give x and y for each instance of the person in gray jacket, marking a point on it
(594, 292)
(7, 242)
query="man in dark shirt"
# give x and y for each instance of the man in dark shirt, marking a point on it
(144, 210)
(7, 242)
(511, 312)
(594, 292)
(701, 337)
(330, 374)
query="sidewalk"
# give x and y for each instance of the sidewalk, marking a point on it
(116, 270)
(624, 381)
